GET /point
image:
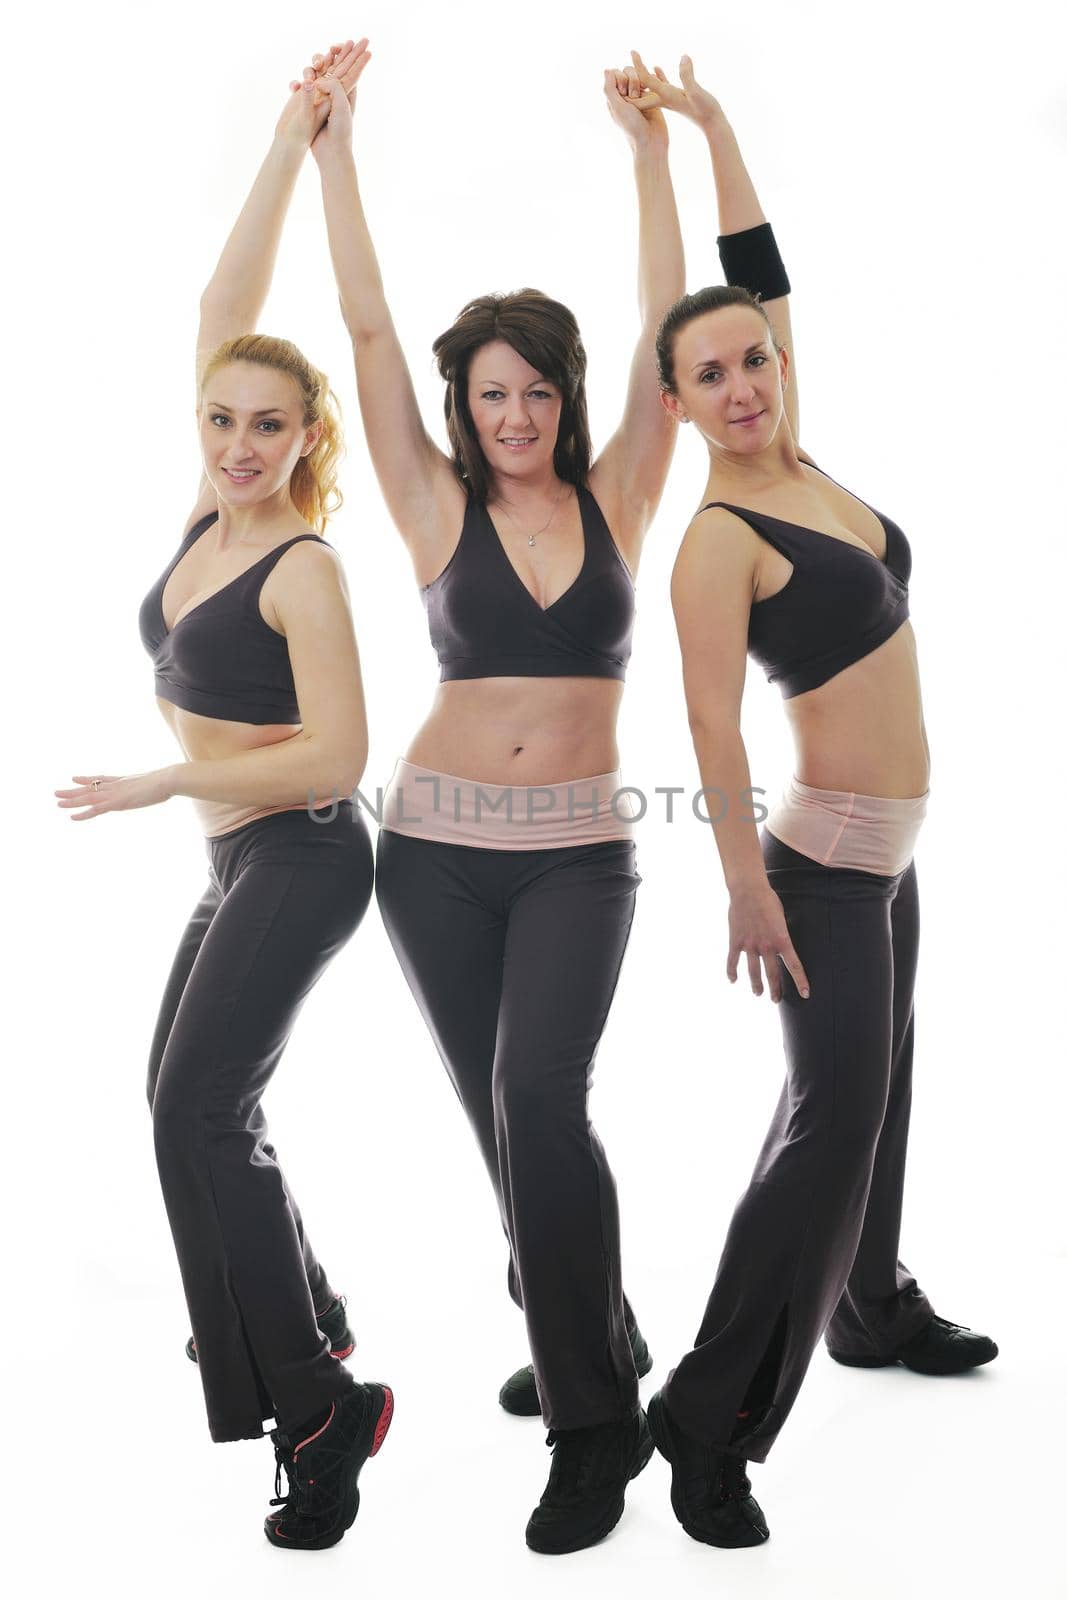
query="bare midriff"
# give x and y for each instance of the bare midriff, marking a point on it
(212, 739)
(863, 730)
(521, 730)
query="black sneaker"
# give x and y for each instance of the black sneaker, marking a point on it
(939, 1350)
(710, 1491)
(333, 1323)
(323, 1470)
(519, 1394)
(586, 1491)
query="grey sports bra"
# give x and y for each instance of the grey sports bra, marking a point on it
(841, 602)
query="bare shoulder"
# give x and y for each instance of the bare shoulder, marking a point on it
(716, 533)
(308, 579)
(717, 562)
(311, 559)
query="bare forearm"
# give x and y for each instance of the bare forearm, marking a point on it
(275, 774)
(355, 264)
(739, 206)
(661, 257)
(241, 279)
(724, 773)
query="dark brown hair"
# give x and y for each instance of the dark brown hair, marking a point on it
(546, 335)
(685, 310)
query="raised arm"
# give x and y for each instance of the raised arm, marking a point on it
(711, 591)
(631, 470)
(416, 477)
(233, 300)
(746, 245)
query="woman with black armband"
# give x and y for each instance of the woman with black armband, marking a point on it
(257, 675)
(784, 564)
(506, 872)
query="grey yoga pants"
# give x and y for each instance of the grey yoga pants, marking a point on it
(513, 957)
(285, 893)
(812, 1247)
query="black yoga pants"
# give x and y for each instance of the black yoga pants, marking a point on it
(812, 1247)
(285, 893)
(513, 957)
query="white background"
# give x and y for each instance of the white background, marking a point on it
(911, 162)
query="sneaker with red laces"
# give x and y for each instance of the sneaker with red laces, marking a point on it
(333, 1323)
(710, 1491)
(323, 1470)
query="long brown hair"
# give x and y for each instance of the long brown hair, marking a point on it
(546, 335)
(313, 484)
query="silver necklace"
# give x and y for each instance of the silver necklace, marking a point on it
(532, 538)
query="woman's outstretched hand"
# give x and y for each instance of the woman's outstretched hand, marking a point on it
(758, 929)
(689, 100)
(308, 106)
(99, 793)
(634, 108)
(332, 79)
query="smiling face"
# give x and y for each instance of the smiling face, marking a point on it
(252, 431)
(515, 410)
(729, 379)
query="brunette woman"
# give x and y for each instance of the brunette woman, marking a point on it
(257, 675)
(506, 870)
(783, 563)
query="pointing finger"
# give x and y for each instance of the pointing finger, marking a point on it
(796, 971)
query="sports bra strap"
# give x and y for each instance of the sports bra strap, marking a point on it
(261, 570)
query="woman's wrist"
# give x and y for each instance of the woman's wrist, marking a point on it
(334, 158)
(743, 869)
(168, 781)
(290, 145)
(650, 151)
(714, 125)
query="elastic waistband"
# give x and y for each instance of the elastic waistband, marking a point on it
(439, 806)
(838, 828)
(859, 805)
(293, 822)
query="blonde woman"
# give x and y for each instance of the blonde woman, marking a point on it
(257, 674)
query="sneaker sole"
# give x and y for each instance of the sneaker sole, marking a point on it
(377, 1424)
(612, 1518)
(661, 1438)
(523, 1407)
(868, 1362)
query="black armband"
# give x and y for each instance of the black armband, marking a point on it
(750, 259)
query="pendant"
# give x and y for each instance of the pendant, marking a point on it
(531, 540)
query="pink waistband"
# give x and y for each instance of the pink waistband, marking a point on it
(436, 805)
(868, 832)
